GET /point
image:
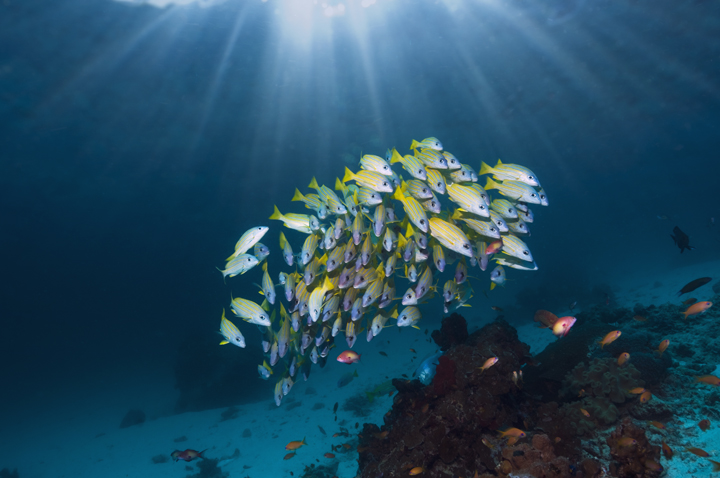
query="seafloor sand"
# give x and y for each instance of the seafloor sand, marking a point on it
(79, 436)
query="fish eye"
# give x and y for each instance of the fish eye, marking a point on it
(422, 221)
(482, 208)
(526, 253)
(466, 246)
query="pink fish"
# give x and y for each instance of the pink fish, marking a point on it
(563, 325)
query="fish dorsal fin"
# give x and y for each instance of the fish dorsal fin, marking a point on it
(313, 184)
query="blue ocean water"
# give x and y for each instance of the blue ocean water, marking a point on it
(138, 142)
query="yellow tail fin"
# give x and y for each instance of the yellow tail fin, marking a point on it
(313, 184)
(283, 241)
(298, 196)
(485, 168)
(348, 175)
(414, 144)
(396, 158)
(491, 184)
(276, 214)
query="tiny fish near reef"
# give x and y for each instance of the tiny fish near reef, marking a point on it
(384, 224)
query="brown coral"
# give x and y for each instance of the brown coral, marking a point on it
(537, 459)
(633, 455)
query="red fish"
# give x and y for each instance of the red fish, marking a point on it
(563, 325)
(663, 346)
(704, 424)
(624, 357)
(348, 357)
(547, 319)
(610, 338)
(187, 455)
(493, 247)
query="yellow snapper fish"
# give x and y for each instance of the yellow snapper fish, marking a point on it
(371, 162)
(452, 162)
(514, 247)
(432, 159)
(436, 181)
(317, 297)
(348, 263)
(335, 206)
(450, 236)
(409, 316)
(412, 208)
(427, 143)
(239, 265)
(468, 199)
(369, 179)
(250, 312)
(312, 201)
(497, 276)
(482, 227)
(513, 172)
(267, 286)
(287, 251)
(231, 333)
(248, 239)
(505, 208)
(298, 222)
(515, 190)
(411, 164)
(264, 370)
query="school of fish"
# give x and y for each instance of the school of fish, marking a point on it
(372, 232)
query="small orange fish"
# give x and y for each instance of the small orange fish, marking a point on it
(626, 441)
(636, 390)
(667, 451)
(645, 396)
(658, 425)
(697, 308)
(488, 363)
(187, 455)
(417, 470)
(329, 455)
(585, 412)
(289, 455)
(690, 301)
(487, 443)
(640, 318)
(704, 424)
(413, 351)
(563, 325)
(709, 379)
(348, 357)
(512, 432)
(294, 445)
(624, 357)
(347, 446)
(653, 465)
(697, 451)
(493, 247)
(381, 435)
(496, 308)
(663, 346)
(581, 393)
(610, 338)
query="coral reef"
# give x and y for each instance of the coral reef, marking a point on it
(633, 455)
(535, 459)
(442, 426)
